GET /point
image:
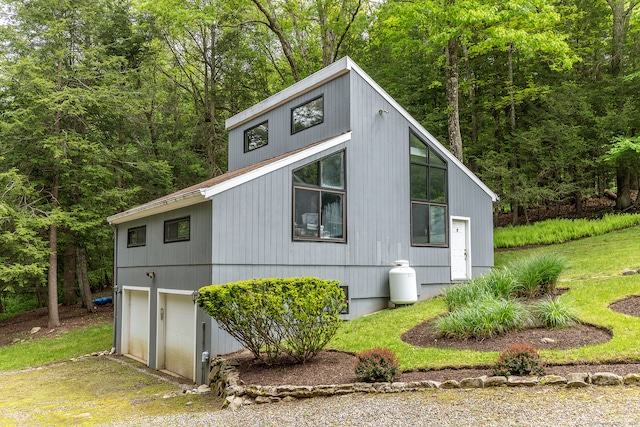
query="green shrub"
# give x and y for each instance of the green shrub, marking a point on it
(294, 316)
(519, 359)
(537, 274)
(552, 313)
(375, 365)
(487, 317)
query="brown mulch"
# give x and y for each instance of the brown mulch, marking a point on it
(333, 367)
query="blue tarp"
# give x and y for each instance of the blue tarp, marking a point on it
(103, 300)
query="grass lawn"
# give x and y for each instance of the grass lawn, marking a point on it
(593, 276)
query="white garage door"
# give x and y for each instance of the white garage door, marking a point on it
(136, 324)
(176, 330)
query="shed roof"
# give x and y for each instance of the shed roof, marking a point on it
(199, 193)
(338, 68)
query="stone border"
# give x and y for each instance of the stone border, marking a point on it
(224, 378)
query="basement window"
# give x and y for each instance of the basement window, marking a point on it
(177, 230)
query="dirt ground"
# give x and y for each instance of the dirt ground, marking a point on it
(20, 327)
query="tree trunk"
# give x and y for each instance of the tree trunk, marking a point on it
(52, 277)
(453, 120)
(578, 198)
(69, 290)
(83, 279)
(623, 201)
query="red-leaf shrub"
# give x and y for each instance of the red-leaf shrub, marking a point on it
(519, 359)
(377, 364)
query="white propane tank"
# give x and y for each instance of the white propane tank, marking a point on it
(402, 283)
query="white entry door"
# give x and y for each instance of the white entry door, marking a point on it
(135, 324)
(177, 334)
(460, 249)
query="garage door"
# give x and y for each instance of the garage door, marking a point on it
(136, 324)
(177, 341)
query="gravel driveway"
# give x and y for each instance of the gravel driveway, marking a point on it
(503, 406)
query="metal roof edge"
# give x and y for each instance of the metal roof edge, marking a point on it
(158, 206)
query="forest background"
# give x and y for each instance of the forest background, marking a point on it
(106, 104)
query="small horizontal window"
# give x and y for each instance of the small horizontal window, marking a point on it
(256, 137)
(137, 236)
(177, 230)
(307, 115)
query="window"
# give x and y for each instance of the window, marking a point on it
(177, 230)
(256, 137)
(319, 200)
(307, 115)
(137, 236)
(428, 185)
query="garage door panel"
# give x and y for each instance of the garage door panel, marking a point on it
(138, 325)
(179, 336)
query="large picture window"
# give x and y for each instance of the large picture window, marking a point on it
(256, 137)
(177, 230)
(428, 186)
(319, 200)
(307, 115)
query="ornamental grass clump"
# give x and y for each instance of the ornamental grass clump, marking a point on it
(537, 275)
(500, 283)
(487, 317)
(553, 313)
(519, 359)
(376, 365)
(270, 317)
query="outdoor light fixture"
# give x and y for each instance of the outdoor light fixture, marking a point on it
(195, 296)
(151, 274)
(380, 111)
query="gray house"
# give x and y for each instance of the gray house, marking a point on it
(328, 178)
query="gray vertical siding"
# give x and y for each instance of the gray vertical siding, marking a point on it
(246, 231)
(336, 121)
(252, 222)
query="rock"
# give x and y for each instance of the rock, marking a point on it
(515, 381)
(547, 340)
(629, 272)
(473, 382)
(203, 389)
(606, 378)
(234, 402)
(553, 380)
(450, 384)
(575, 380)
(632, 379)
(34, 329)
(266, 399)
(495, 381)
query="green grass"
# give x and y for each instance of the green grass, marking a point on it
(555, 231)
(593, 276)
(38, 352)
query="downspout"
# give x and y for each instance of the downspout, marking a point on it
(115, 288)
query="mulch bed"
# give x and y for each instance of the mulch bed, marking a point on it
(333, 367)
